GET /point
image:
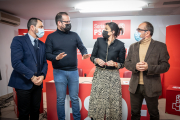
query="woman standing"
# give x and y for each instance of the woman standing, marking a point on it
(108, 55)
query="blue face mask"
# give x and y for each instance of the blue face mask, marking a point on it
(40, 33)
(137, 36)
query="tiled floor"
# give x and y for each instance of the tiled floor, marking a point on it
(163, 115)
(7, 119)
(9, 111)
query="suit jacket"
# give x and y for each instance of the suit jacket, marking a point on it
(24, 62)
(157, 59)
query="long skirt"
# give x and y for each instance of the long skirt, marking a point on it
(106, 97)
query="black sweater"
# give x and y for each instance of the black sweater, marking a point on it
(115, 52)
(59, 42)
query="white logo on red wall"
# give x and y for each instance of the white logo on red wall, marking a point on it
(98, 27)
(175, 87)
(176, 105)
(144, 111)
(126, 25)
(68, 108)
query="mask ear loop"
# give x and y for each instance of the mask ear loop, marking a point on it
(35, 30)
(145, 32)
(61, 22)
(62, 25)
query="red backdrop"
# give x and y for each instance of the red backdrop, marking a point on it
(98, 27)
(173, 45)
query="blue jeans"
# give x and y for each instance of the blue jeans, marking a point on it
(62, 79)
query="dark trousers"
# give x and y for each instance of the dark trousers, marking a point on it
(29, 103)
(136, 103)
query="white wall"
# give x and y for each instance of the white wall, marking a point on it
(84, 26)
(6, 35)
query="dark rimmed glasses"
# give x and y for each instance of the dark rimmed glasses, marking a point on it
(66, 21)
(139, 30)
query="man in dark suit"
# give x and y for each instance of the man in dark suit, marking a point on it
(147, 59)
(30, 67)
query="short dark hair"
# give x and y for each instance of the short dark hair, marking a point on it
(59, 16)
(149, 27)
(32, 21)
(114, 27)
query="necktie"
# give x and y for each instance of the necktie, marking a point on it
(35, 44)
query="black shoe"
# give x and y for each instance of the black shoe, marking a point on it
(91, 118)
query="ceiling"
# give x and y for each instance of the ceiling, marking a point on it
(47, 9)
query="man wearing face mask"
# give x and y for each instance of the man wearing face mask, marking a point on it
(30, 68)
(147, 59)
(61, 49)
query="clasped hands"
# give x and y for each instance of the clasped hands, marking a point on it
(142, 66)
(62, 55)
(37, 80)
(100, 62)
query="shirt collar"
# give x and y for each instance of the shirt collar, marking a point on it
(31, 38)
(145, 41)
(111, 42)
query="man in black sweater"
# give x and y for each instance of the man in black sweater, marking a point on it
(61, 49)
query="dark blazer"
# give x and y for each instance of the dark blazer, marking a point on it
(24, 62)
(157, 59)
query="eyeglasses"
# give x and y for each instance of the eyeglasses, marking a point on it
(66, 21)
(138, 29)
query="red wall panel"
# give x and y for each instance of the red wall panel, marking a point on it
(173, 45)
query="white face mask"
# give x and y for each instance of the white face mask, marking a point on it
(40, 33)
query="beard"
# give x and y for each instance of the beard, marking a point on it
(67, 28)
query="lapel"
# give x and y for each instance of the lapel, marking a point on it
(40, 50)
(136, 50)
(30, 47)
(151, 47)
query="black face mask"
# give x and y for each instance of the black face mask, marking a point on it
(105, 34)
(67, 28)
